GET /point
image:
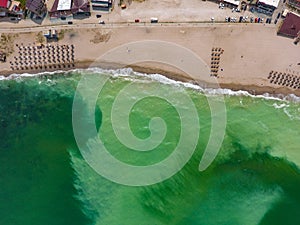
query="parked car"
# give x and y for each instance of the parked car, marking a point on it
(137, 20)
(278, 15)
(241, 19)
(101, 22)
(70, 22)
(98, 16)
(244, 7)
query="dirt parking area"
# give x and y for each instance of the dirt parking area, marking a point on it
(173, 11)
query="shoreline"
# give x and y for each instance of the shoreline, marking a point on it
(177, 76)
(255, 90)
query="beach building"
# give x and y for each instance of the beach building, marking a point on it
(81, 8)
(103, 5)
(61, 9)
(297, 39)
(15, 8)
(37, 7)
(294, 3)
(284, 13)
(67, 8)
(10, 8)
(290, 26)
(3, 8)
(232, 3)
(4, 4)
(267, 6)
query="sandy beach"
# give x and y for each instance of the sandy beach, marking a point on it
(250, 52)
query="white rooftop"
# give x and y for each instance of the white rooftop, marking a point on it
(64, 5)
(234, 2)
(271, 2)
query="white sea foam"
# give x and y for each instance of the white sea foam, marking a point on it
(212, 91)
(280, 106)
(129, 74)
(292, 115)
(21, 75)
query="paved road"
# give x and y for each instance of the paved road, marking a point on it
(20, 29)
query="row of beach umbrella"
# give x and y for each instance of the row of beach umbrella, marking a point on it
(31, 57)
(284, 79)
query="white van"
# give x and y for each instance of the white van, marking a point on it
(154, 20)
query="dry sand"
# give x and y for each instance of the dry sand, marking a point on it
(251, 51)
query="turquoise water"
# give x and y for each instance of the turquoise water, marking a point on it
(255, 178)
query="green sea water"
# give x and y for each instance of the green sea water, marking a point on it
(44, 179)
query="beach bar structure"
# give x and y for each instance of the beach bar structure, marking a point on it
(267, 6)
(37, 7)
(290, 26)
(51, 35)
(104, 5)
